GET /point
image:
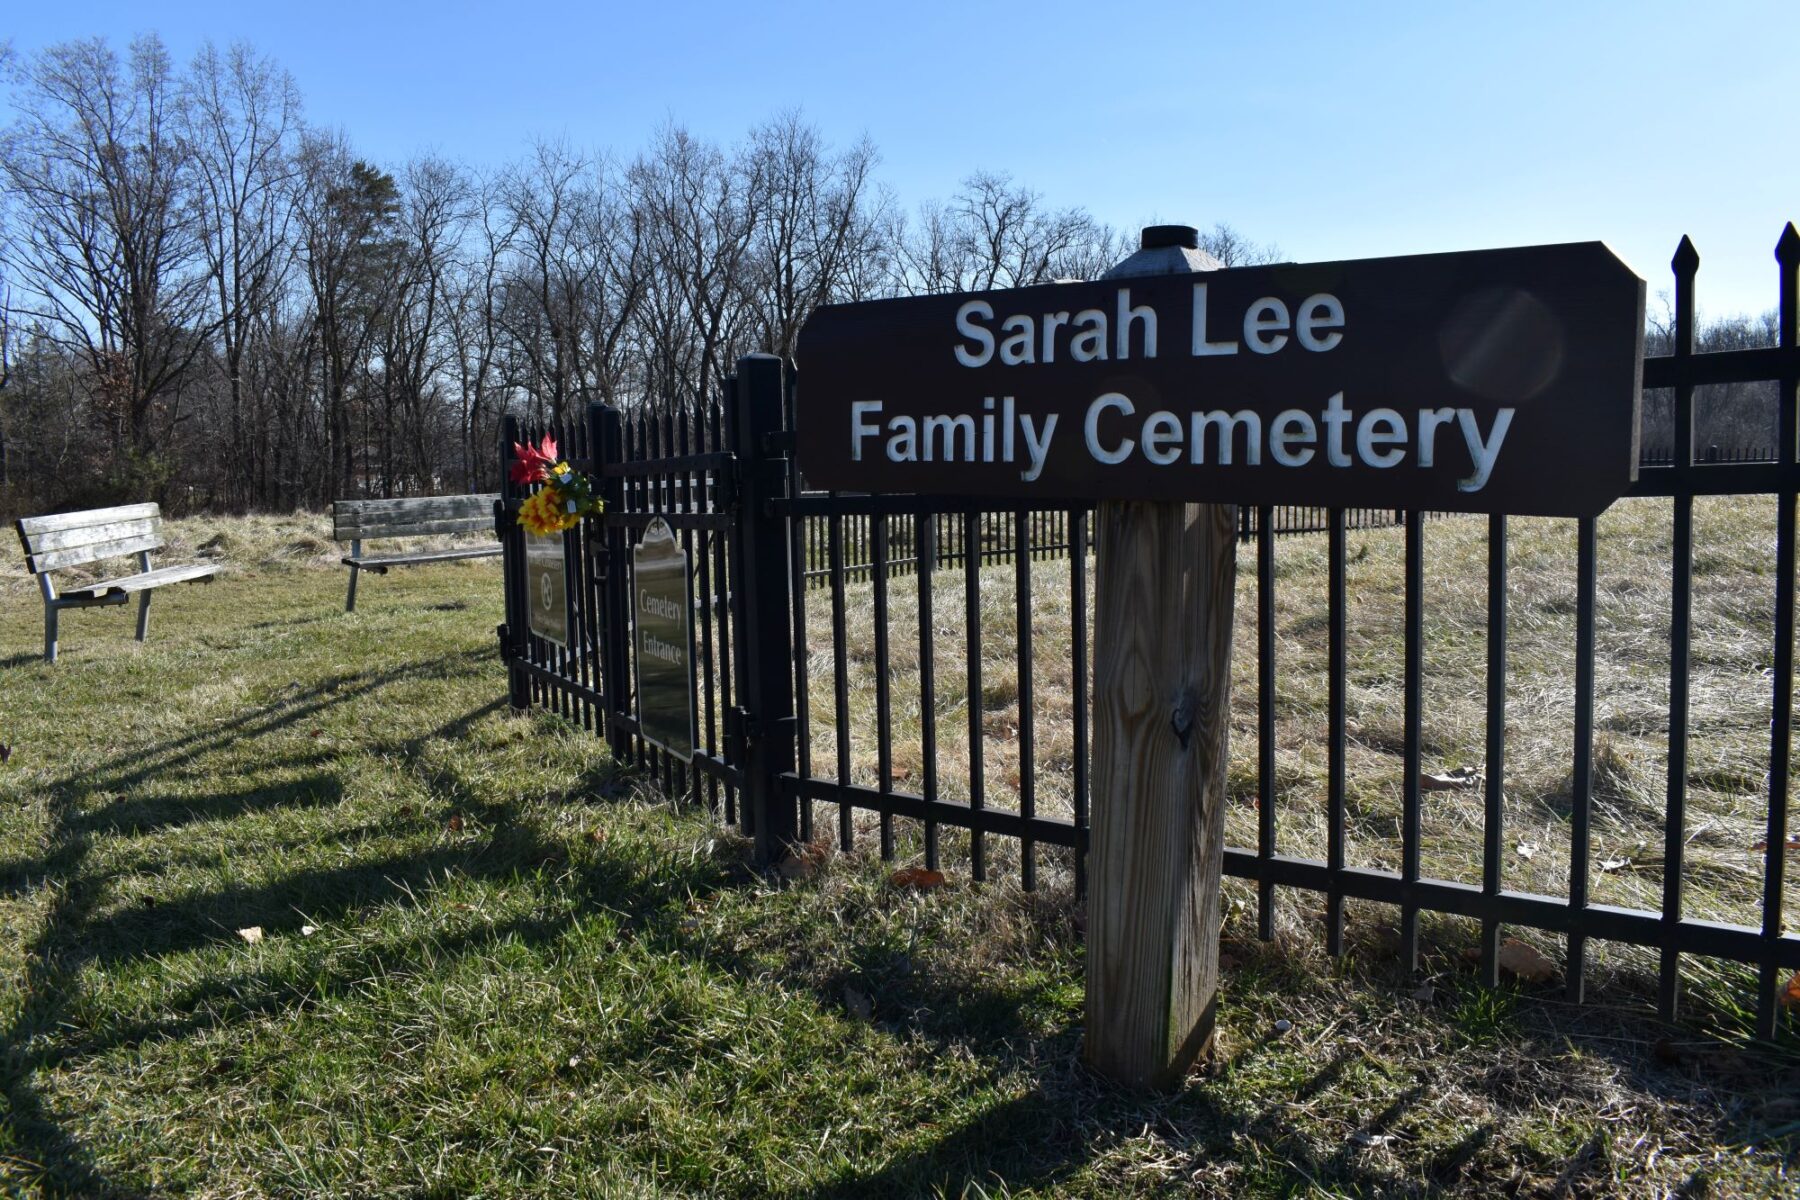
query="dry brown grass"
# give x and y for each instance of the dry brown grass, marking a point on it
(1733, 604)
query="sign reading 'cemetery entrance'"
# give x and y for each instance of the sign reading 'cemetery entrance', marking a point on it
(547, 589)
(665, 680)
(1488, 381)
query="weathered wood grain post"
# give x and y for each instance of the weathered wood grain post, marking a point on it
(1164, 584)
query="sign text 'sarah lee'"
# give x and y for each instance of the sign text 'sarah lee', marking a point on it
(1486, 381)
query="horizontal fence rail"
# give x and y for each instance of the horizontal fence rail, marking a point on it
(915, 671)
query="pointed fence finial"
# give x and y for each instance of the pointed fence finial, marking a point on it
(1787, 249)
(1687, 259)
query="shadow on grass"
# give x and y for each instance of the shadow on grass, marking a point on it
(1038, 1139)
(35, 1143)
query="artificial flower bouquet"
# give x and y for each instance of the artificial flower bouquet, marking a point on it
(566, 497)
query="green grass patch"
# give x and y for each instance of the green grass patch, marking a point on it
(491, 963)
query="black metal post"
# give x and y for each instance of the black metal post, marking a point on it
(606, 435)
(763, 596)
(513, 634)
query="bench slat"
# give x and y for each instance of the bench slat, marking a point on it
(145, 580)
(92, 535)
(394, 560)
(409, 517)
(387, 529)
(92, 516)
(76, 555)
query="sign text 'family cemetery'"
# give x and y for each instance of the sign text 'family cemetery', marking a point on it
(1486, 381)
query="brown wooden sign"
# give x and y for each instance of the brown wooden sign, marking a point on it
(1486, 381)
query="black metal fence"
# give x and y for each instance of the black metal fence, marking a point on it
(773, 563)
(993, 537)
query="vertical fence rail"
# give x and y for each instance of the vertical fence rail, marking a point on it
(1494, 769)
(1686, 263)
(1787, 256)
(1414, 682)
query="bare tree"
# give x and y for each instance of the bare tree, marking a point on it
(821, 216)
(415, 346)
(346, 220)
(702, 211)
(994, 234)
(104, 240)
(240, 113)
(1233, 249)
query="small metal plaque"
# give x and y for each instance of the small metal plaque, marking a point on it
(661, 624)
(547, 588)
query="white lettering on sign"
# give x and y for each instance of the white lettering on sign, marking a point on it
(1113, 434)
(668, 652)
(955, 437)
(1027, 339)
(1379, 437)
(658, 606)
(1092, 336)
(1296, 436)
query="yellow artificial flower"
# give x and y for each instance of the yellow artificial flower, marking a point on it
(542, 512)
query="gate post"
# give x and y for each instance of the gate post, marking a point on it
(513, 646)
(762, 601)
(605, 435)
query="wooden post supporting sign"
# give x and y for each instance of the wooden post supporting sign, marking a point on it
(1164, 583)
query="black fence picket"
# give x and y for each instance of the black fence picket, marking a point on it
(764, 550)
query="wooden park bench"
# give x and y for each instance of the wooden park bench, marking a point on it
(356, 521)
(73, 539)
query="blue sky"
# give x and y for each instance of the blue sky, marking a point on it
(1332, 130)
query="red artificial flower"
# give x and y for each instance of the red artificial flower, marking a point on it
(532, 463)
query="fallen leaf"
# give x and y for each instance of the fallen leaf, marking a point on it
(5, 752)
(1526, 849)
(1525, 961)
(1790, 845)
(251, 933)
(900, 774)
(405, 810)
(1790, 995)
(804, 862)
(920, 879)
(1614, 864)
(308, 930)
(456, 823)
(1455, 780)
(857, 1003)
(596, 836)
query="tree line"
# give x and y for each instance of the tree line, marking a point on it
(206, 301)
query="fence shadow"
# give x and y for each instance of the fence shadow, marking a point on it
(75, 933)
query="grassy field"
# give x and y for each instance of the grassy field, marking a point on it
(491, 963)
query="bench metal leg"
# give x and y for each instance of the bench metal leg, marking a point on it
(355, 552)
(143, 614)
(50, 633)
